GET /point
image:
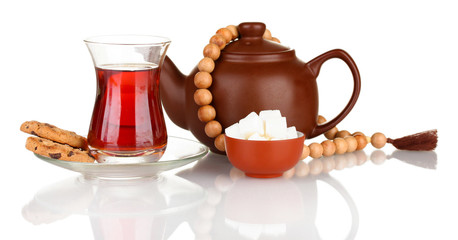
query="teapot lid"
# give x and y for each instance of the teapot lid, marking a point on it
(250, 41)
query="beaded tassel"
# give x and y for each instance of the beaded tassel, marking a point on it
(342, 142)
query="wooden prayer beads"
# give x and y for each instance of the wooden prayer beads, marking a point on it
(203, 97)
(331, 134)
(213, 129)
(316, 150)
(206, 65)
(340, 142)
(203, 81)
(352, 144)
(206, 113)
(219, 142)
(212, 51)
(378, 140)
(341, 145)
(342, 134)
(226, 33)
(329, 148)
(305, 152)
(362, 142)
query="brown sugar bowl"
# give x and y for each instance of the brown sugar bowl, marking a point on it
(264, 159)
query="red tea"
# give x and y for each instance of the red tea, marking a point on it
(127, 114)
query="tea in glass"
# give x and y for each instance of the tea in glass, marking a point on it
(127, 122)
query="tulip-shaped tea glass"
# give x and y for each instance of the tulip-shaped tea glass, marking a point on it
(127, 121)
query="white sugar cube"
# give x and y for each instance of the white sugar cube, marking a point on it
(291, 132)
(251, 124)
(233, 131)
(276, 127)
(269, 114)
(257, 137)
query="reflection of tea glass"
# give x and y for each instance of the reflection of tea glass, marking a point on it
(145, 208)
(127, 121)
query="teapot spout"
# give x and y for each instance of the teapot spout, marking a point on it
(172, 90)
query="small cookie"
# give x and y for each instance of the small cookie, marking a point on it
(59, 151)
(55, 134)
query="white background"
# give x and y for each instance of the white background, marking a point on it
(406, 52)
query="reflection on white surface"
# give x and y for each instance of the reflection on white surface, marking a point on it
(421, 159)
(58, 201)
(280, 208)
(213, 200)
(121, 209)
(251, 208)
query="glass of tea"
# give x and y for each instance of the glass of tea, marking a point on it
(127, 122)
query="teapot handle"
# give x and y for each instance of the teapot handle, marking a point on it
(315, 66)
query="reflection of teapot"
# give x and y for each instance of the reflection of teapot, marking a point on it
(253, 74)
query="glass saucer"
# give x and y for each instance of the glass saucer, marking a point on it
(179, 152)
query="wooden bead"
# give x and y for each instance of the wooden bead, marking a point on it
(342, 134)
(203, 80)
(275, 39)
(225, 33)
(212, 51)
(328, 164)
(203, 97)
(341, 145)
(329, 148)
(378, 140)
(331, 134)
(358, 133)
(320, 119)
(218, 40)
(206, 113)
(362, 142)
(316, 166)
(352, 144)
(220, 143)
(213, 129)
(305, 152)
(368, 139)
(267, 35)
(316, 150)
(233, 30)
(206, 65)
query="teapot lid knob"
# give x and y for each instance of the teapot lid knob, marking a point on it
(252, 29)
(251, 41)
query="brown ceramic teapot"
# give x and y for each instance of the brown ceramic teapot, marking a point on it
(253, 74)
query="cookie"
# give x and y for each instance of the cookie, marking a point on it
(59, 151)
(55, 134)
